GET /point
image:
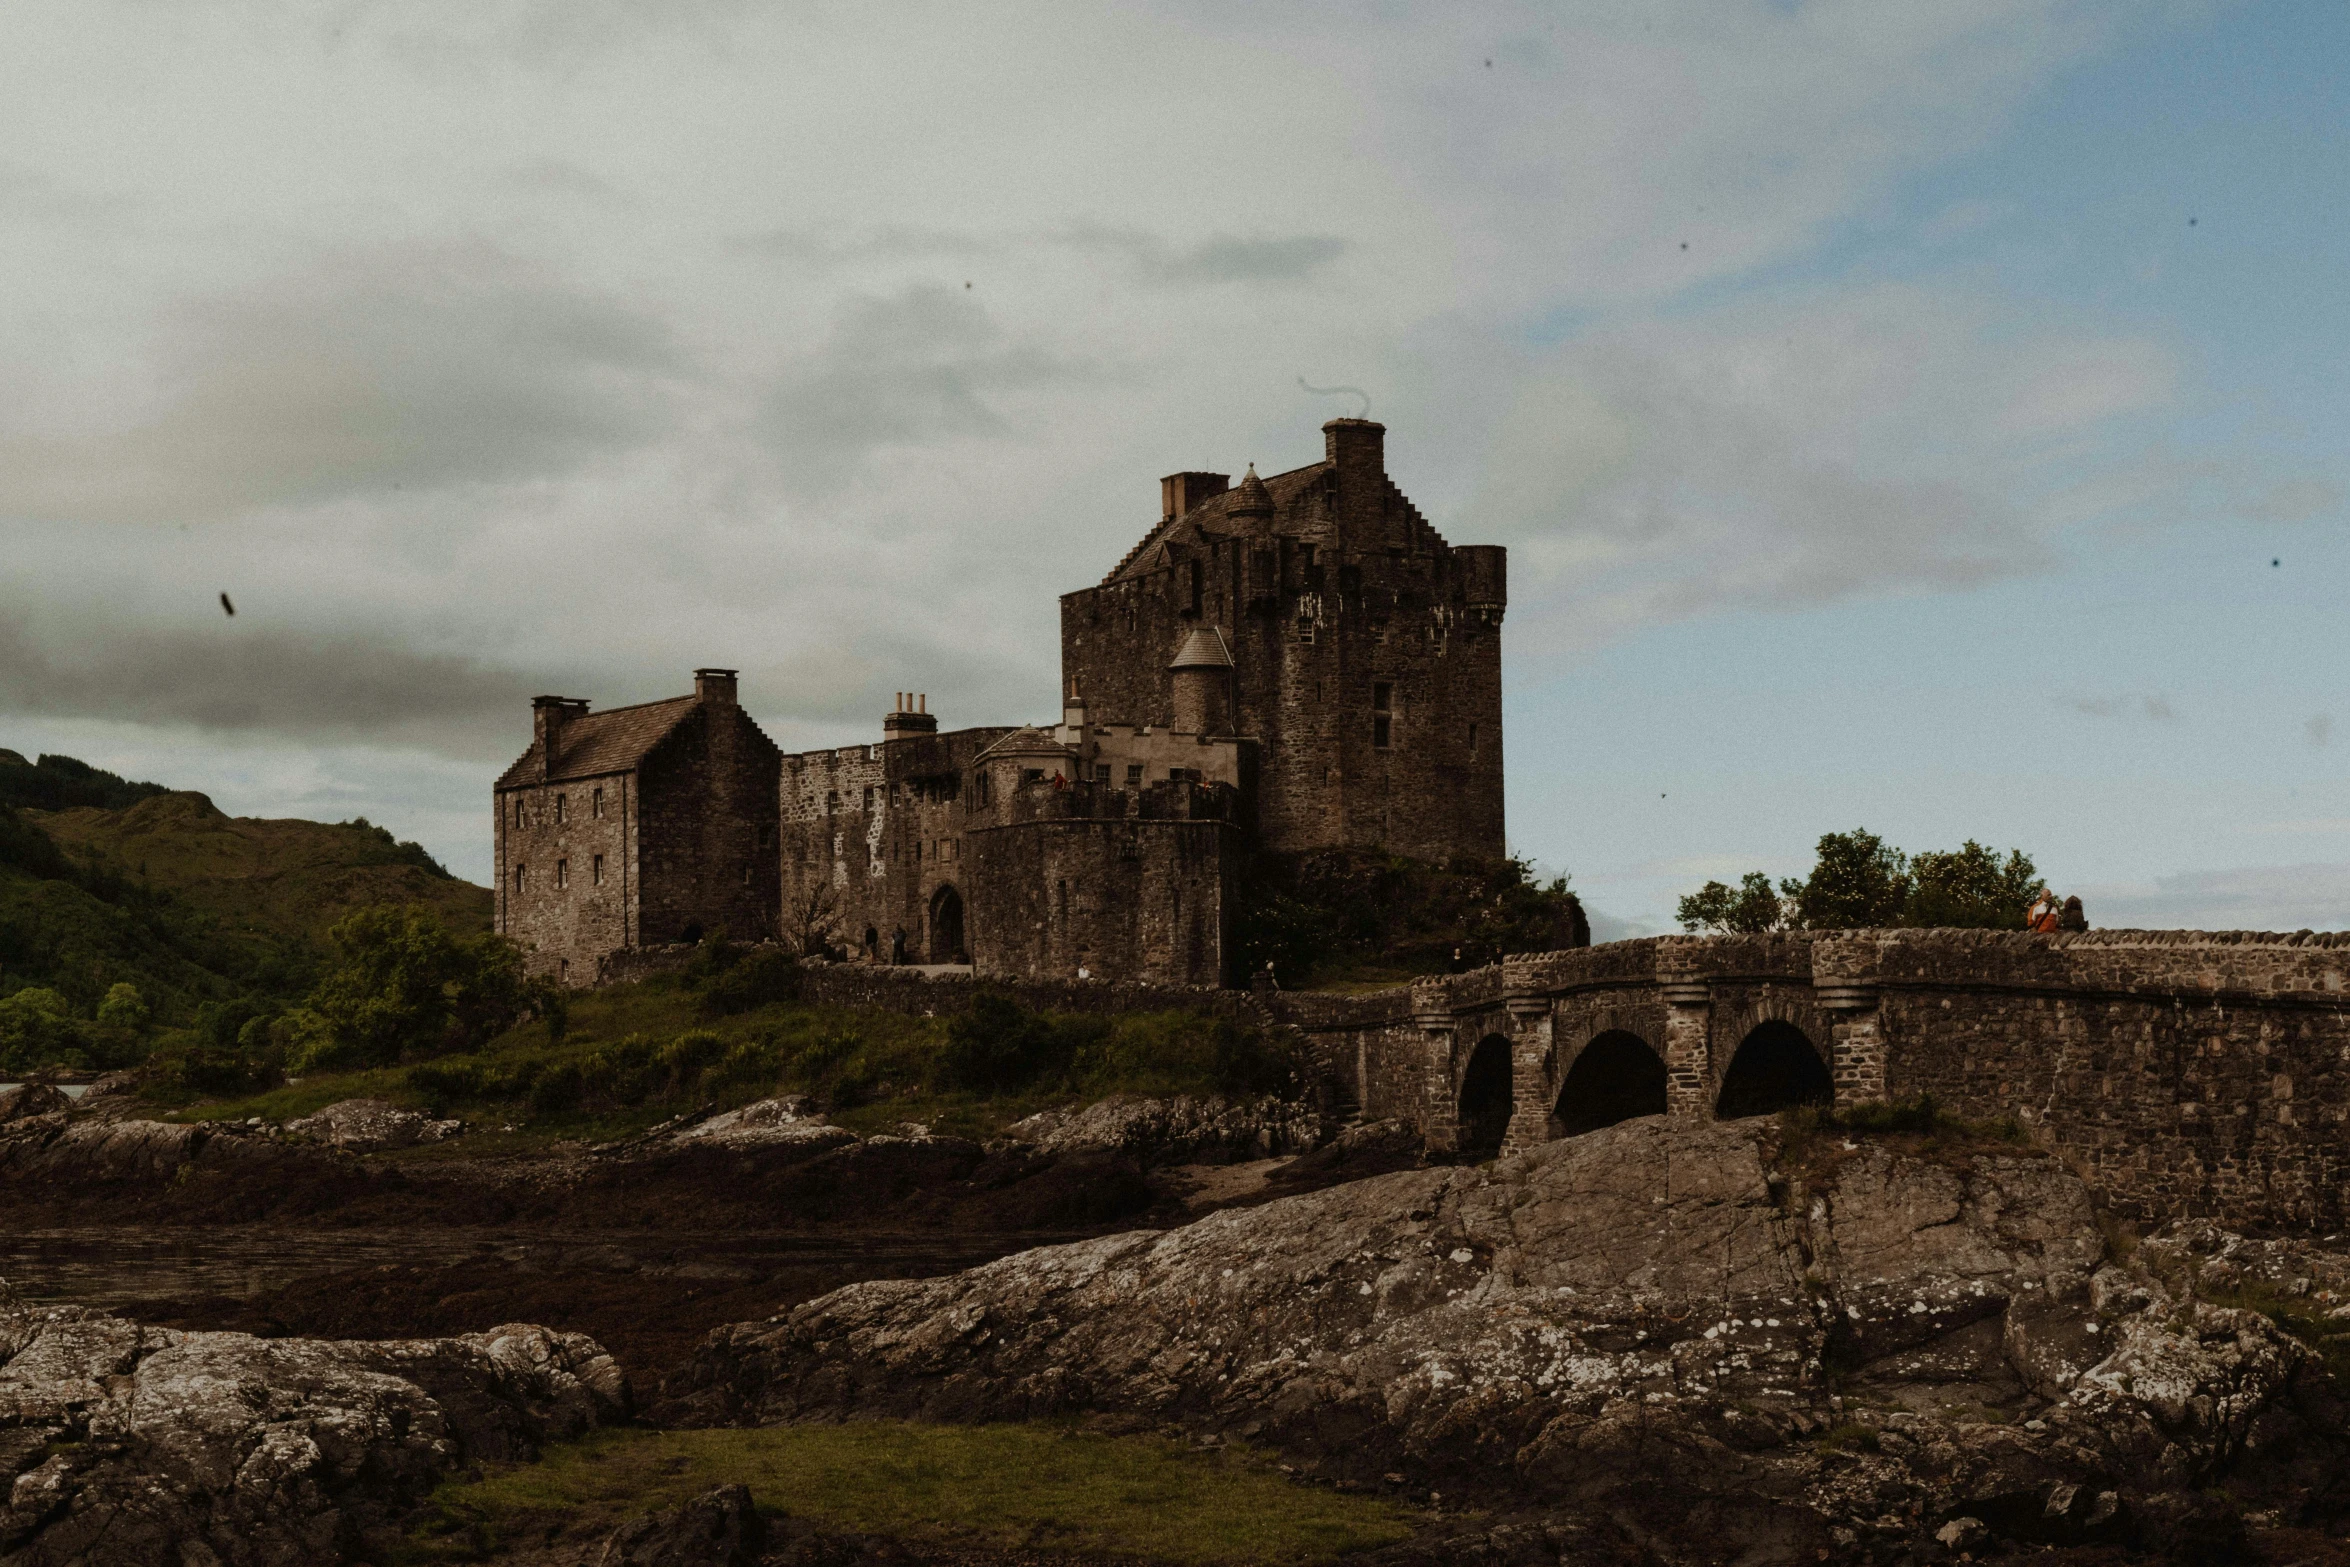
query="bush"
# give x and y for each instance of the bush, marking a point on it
(558, 1089)
(403, 987)
(997, 1046)
(763, 978)
(38, 1029)
(684, 1058)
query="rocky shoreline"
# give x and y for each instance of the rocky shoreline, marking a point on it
(1666, 1342)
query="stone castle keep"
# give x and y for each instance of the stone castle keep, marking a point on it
(1292, 663)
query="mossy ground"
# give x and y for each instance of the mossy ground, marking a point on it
(1025, 1486)
(634, 1055)
(1815, 1141)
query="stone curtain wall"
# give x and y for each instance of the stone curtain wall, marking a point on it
(565, 929)
(1121, 895)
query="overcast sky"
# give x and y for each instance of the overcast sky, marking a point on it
(1922, 416)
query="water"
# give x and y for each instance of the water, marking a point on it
(110, 1266)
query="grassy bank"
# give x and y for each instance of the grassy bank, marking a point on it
(1002, 1486)
(627, 1057)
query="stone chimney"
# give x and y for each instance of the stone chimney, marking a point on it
(1202, 678)
(714, 687)
(548, 715)
(909, 715)
(1355, 445)
(1180, 492)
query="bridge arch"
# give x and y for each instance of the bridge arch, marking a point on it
(1615, 1077)
(1487, 1098)
(1776, 1067)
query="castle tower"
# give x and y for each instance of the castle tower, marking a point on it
(1201, 677)
(1364, 650)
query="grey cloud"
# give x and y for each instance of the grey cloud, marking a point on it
(2319, 729)
(2261, 897)
(1220, 258)
(2157, 708)
(926, 365)
(258, 680)
(411, 371)
(889, 242)
(2295, 500)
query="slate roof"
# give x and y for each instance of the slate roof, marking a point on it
(1203, 649)
(1213, 517)
(612, 741)
(1030, 741)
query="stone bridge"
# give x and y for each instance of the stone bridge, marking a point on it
(2185, 1073)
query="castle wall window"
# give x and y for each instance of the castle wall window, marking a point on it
(559, 803)
(521, 878)
(596, 804)
(562, 871)
(596, 871)
(1382, 718)
(1133, 775)
(1472, 742)
(563, 970)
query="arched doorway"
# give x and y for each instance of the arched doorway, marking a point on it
(1776, 1068)
(1486, 1098)
(946, 926)
(1616, 1078)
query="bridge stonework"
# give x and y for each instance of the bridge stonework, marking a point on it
(2187, 1074)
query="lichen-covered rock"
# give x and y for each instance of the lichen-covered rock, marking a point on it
(1176, 1129)
(23, 1101)
(1651, 1322)
(372, 1125)
(767, 1123)
(130, 1445)
(720, 1528)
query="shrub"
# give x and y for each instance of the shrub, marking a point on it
(684, 1058)
(763, 978)
(37, 1029)
(404, 986)
(995, 1046)
(558, 1089)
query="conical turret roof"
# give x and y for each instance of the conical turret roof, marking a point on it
(1203, 649)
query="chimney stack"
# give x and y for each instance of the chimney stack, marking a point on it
(910, 716)
(548, 715)
(1180, 492)
(714, 686)
(1354, 445)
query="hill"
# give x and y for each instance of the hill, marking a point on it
(107, 882)
(262, 880)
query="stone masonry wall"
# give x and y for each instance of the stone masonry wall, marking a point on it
(706, 829)
(1133, 896)
(566, 892)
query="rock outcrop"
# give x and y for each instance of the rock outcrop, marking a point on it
(371, 1126)
(23, 1101)
(1177, 1129)
(1664, 1329)
(130, 1445)
(767, 1123)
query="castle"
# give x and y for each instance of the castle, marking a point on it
(1288, 664)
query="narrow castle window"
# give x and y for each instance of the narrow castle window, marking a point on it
(559, 801)
(1133, 775)
(596, 804)
(563, 970)
(868, 797)
(596, 871)
(1195, 590)
(562, 871)
(1382, 720)
(521, 878)
(1472, 742)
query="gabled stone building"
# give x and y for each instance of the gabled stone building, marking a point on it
(1294, 663)
(636, 826)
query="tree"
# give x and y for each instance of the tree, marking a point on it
(1749, 909)
(811, 918)
(404, 987)
(1971, 888)
(1858, 882)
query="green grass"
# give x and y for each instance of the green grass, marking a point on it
(1813, 1140)
(631, 1056)
(1006, 1486)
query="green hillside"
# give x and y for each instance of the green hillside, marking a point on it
(209, 919)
